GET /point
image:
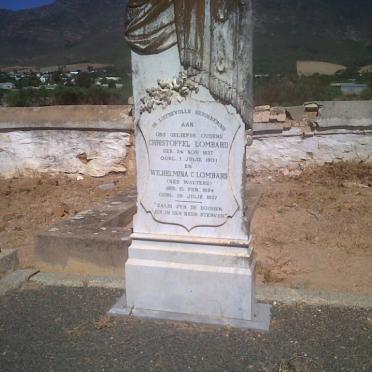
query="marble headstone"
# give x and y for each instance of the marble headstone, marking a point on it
(191, 257)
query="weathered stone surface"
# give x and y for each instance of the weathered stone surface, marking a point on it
(351, 114)
(262, 108)
(278, 114)
(93, 242)
(270, 152)
(94, 153)
(96, 242)
(14, 280)
(261, 116)
(191, 173)
(296, 113)
(67, 117)
(148, 69)
(314, 297)
(266, 114)
(213, 39)
(103, 148)
(8, 260)
(278, 118)
(266, 128)
(78, 281)
(180, 270)
(311, 106)
(191, 255)
(91, 140)
(190, 150)
(192, 163)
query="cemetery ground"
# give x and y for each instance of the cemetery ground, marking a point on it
(311, 231)
(65, 329)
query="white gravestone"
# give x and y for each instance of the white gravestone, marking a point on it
(188, 182)
(190, 257)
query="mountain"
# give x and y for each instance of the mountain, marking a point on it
(66, 31)
(70, 31)
(338, 31)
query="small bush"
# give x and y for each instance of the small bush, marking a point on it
(65, 95)
(18, 98)
(367, 94)
(68, 96)
(2, 94)
(292, 90)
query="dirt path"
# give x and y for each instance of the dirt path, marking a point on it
(312, 231)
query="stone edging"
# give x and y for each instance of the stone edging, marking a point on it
(8, 260)
(281, 295)
(124, 126)
(318, 297)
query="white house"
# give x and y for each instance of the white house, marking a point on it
(112, 78)
(44, 78)
(351, 88)
(7, 86)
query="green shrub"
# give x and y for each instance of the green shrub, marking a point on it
(18, 98)
(84, 80)
(367, 94)
(68, 96)
(290, 90)
(2, 94)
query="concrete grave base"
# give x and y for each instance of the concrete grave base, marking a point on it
(94, 242)
(211, 281)
(8, 260)
(260, 322)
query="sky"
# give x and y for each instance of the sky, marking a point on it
(23, 4)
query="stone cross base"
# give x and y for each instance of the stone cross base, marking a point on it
(202, 280)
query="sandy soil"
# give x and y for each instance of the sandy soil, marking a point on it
(315, 230)
(29, 205)
(311, 231)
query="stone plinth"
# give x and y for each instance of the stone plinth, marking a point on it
(200, 280)
(191, 257)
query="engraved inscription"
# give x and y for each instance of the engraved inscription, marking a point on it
(189, 152)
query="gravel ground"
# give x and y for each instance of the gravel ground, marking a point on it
(65, 329)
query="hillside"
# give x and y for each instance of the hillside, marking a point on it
(337, 31)
(71, 31)
(65, 32)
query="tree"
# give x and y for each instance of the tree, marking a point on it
(112, 84)
(84, 80)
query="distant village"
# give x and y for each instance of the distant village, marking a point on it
(92, 83)
(52, 77)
